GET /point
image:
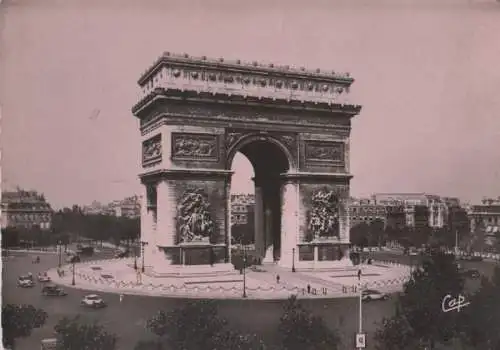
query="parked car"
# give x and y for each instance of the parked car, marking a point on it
(53, 290)
(471, 273)
(88, 251)
(25, 282)
(371, 294)
(93, 300)
(43, 277)
(122, 254)
(73, 259)
(49, 344)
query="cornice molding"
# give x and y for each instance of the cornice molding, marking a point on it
(157, 94)
(184, 174)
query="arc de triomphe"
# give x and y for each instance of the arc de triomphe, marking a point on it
(294, 127)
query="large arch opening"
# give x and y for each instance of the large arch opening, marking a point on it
(268, 161)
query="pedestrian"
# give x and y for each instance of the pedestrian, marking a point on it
(121, 298)
(308, 289)
(278, 279)
(359, 274)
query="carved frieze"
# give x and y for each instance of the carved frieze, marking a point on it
(232, 137)
(151, 150)
(247, 79)
(195, 223)
(289, 140)
(195, 146)
(325, 151)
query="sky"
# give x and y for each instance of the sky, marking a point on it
(427, 74)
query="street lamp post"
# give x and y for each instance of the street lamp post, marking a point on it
(360, 342)
(60, 252)
(143, 244)
(244, 272)
(293, 259)
(73, 280)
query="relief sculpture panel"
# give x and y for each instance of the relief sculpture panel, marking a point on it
(151, 150)
(195, 223)
(324, 215)
(325, 151)
(195, 146)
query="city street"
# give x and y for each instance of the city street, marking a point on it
(127, 320)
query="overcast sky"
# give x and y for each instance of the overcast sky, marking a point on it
(427, 75)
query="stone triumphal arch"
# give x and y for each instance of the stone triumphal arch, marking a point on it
(292, 124)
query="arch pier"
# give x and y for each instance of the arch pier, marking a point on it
(294, 127)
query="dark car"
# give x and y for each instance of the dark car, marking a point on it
(122, 254)
(53, 290)
(73, 259)
(471, 273)
(88, 251)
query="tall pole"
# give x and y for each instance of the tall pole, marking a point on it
(293, 259)
(59, 246)
(142, 251)
(73, 281)
(244, 272)
(360, 331)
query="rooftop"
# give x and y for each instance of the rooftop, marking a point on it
(186, 77)
(168, 58)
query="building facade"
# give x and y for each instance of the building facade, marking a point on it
(241, 205)
(366, 210)
(421, 209)
(129, 207)
(485, 219)
(25, 209)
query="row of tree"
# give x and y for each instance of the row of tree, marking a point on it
(376, 234)
(193, 326)
(72, 224)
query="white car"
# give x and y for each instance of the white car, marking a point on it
(42, 277)
(371, 294)
(25, 282)
(93, 300)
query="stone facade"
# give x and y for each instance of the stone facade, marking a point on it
(294, 127)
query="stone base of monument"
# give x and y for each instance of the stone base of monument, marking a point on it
(190, 260)
(340, 265)
(187, 271)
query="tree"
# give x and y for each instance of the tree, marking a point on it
(377, 232)
(74, 335)
(301, 330)
(480, 320)
(359, 234)
(10, 237)
(242, 233)
(148, 345)
(420, 306)
(18, 321)
(196, 325)
(395, 334)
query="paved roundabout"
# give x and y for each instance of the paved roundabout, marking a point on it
(127, 319)
(119, 276)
